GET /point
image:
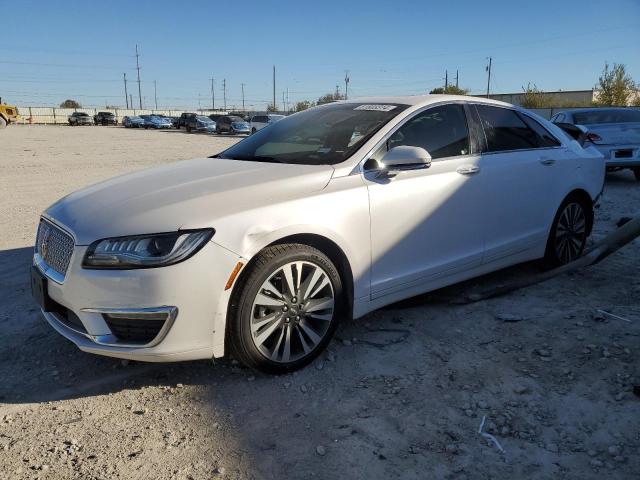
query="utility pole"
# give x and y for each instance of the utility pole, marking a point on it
(284, 108)
(488, 76)
(242, 85)
(224, 92)
(126, 95)
(131, 100)
(213, 96)
(346, 84)
(138, 68)
(155, 93)
(456, 78)
(274, 87)
(287, 109)
(446, 80)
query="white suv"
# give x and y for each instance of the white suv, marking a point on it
(258, 122)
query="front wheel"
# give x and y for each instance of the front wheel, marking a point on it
(286, 309)
(568, 234)
(3, 122)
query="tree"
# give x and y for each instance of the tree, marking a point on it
(70, 104)
(450, 90)
(300, 106)
(272, 108)
(615, 86)
(533, 97)
(330, 97)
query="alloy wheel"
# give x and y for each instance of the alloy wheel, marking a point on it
(292, 311)
(570, 232)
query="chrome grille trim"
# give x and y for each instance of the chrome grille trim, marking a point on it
(53, 250)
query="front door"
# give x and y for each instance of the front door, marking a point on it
(426, 225)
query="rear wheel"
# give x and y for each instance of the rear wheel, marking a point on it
(3, 122)
(569, 232)
(188, 129)
(286, 310)
(636, 172)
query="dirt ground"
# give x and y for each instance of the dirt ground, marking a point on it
(400, 393)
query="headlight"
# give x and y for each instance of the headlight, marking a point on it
(146, 251)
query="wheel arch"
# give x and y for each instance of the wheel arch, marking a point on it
(583, 196)
(327, 246)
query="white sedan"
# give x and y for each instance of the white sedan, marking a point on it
(327, 214)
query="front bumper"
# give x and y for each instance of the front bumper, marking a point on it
(194, 291)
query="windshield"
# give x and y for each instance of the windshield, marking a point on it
(606, 116)
(323, 135)
(204, 119)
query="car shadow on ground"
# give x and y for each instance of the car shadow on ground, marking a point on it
(39, 365)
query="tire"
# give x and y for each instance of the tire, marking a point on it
(253, 130)
(3, 122)
(295, 335)
(569, 232)
(188, 129)
(636, 172)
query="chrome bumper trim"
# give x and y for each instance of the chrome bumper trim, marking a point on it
(110, 340)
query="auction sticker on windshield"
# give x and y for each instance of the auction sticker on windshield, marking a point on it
(376, 108)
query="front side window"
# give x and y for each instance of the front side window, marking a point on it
(324, 135)
(505, 130)
(442, 131)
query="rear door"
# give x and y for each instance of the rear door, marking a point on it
(526, 170)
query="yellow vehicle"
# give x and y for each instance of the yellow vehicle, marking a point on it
(8, 114)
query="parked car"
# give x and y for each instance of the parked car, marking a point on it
(182, 120)
(105, 118)
(200, 123)
(133, 122)
(232, 124)
(153, 121)
(263, 248)
(258, 122)
(80, 118)
(614, 132)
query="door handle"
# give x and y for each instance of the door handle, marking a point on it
(547, 161)
(468, 169)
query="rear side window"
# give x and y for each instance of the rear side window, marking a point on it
(442, 131)
(505, 130)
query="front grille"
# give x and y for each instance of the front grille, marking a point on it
(54, 246)
(131, 330)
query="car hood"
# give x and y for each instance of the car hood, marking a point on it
(183, 195)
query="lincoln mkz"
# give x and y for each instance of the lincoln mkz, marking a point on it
(328, 214)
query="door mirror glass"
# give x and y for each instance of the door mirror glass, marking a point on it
(406, 157)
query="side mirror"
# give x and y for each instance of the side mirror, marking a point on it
(405, 157)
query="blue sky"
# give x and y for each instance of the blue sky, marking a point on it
(52, 50)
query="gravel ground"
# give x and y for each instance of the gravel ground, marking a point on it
(400, 393)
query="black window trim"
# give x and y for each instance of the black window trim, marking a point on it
(516, 111)
(359, 169)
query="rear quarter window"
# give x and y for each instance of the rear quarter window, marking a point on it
(505, 130)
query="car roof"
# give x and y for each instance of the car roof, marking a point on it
(594, 109)
(423, 100)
